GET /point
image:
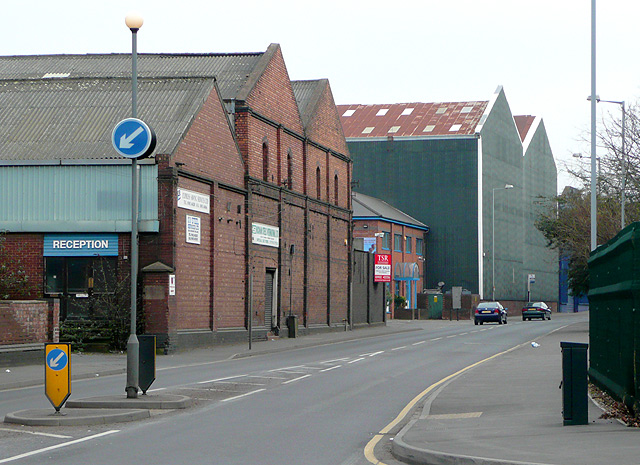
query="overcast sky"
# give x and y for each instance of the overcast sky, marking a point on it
(396, 51)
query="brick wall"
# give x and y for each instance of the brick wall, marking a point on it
(24, 251)
(28, 322)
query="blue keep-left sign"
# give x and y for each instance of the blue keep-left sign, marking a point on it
(133, 138)
(57, 360)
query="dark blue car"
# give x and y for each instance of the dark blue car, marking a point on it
(490, 311)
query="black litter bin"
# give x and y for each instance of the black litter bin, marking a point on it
(574, 383)
(292, 325)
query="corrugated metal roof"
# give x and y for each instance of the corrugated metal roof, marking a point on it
(523, 123)
(230, 70)
(411, 119)
(365, 206)
(64, 119)
(307, 94)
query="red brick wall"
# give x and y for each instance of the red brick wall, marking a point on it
(25, 322)
(326, 127)
(339, 263)
(318, 250)
(208, 148)
(26, 251)
(193, 266)
(273, 95)
(229, 252)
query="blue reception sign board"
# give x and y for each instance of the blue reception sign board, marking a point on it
(80, 245)
(133, 138)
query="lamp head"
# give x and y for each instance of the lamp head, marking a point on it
(508, 186)
(133, 21)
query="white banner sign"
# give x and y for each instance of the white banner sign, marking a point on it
(264, 234)
(193, 229)
(193, 201)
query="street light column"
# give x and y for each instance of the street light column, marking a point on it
(624, 169)
(134, 23)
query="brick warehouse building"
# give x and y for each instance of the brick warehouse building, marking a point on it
(249, 184)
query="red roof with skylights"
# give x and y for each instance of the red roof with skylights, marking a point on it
(411, 119)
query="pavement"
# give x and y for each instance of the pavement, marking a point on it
(505, 410)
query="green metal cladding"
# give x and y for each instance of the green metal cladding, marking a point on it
(614, 316)
(434, 180)
(78, 198)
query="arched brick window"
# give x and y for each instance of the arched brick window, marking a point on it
(335, 189)
(265, 161)
(318, 189)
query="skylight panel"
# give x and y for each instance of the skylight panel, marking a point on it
(466, 110)
(348, 113)
(382, 112)
(455, 127)
(407, 112)
(441, 110)
(429, 128)
(368, 130)
(56, 75)
(394, 129)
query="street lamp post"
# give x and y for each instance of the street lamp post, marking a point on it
(493, 238)
(594, 218)
(134, 23)
(624, 154)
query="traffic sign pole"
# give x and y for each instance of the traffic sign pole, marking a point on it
(133, 346)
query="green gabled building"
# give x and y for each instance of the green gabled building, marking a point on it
(461, 168)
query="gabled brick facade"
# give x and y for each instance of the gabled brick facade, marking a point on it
(249, 157)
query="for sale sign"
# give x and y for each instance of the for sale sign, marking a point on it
(382, 273)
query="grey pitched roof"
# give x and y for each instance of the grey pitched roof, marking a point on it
(307, 94)
(64, 107)
(231, 70)
(66, 119)
(365, 207)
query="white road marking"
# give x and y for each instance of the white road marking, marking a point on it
(220, 379)
(58, 446)
(336, 360)
(418, 343)
(240, 382)
(373, 354)
(296, 379)
(398, 348)
(356, 360)
(436, 339)
(330, 368)
(243, 395)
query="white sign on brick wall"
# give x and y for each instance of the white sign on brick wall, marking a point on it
(264, 234)
(193, 229)
(193, 201)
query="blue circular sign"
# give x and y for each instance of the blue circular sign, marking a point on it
(133, 138)
(57, 360)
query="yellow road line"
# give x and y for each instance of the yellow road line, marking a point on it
(369, 449)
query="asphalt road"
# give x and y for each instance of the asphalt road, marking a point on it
(318, 405)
